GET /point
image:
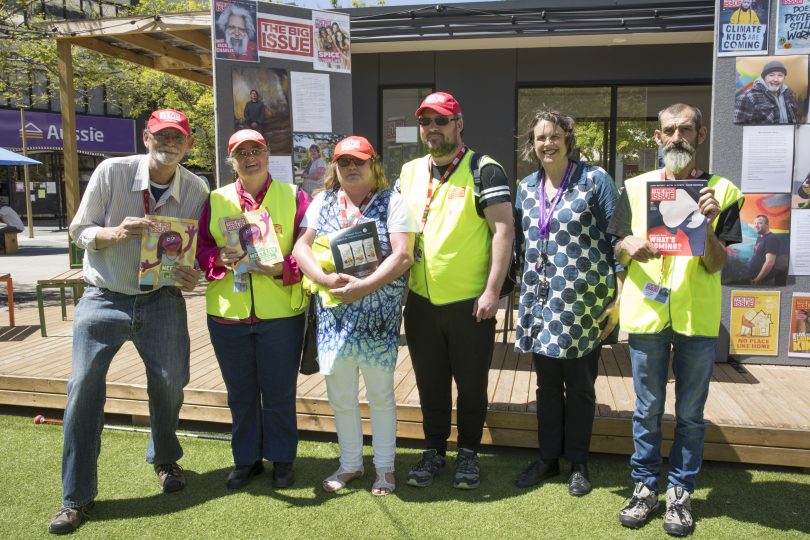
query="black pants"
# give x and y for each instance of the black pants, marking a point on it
(446, 344)
(566, 402)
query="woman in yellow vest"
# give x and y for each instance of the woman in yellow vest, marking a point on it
(255, 318)
(361, 331)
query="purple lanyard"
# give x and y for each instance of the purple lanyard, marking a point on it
(546, 215)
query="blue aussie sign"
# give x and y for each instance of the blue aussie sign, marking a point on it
(44, 131)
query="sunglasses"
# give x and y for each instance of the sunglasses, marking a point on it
(346, 161)
(242, 154)
(162, 137)
(439, 120)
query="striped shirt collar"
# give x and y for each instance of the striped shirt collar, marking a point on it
(141, 180)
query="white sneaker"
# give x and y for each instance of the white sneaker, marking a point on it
(678, 517)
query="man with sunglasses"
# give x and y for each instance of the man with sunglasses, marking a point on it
(113, 215)
(461, 259)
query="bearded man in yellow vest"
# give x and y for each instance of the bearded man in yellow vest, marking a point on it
(672, 303)
(461, 258)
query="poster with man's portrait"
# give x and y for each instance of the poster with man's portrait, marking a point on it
(261, 101)
(801, 169)
(742, 27)
(235, 26)
(312, 153)
(771, 90)
(761, 259)
(793, 27)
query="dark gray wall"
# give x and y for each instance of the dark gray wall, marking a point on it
(485, 81)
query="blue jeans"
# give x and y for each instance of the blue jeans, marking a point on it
(102, 322)
(259, 364)
(692, 365)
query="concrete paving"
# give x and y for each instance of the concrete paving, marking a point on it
(40, 257)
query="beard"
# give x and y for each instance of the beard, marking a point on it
(239, 46)
(678, 156)
(440, 149)
(161, 157)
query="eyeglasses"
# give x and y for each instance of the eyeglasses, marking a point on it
(174, 138)
(253, 152)
(346, 161)
(438, 120)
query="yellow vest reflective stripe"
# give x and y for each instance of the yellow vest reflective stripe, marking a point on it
(271, 298)
(694, 303)
(456, 243)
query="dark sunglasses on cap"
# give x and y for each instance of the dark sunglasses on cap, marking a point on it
(438, 120)
(345, 161)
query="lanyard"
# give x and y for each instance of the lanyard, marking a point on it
(246, 202)
(547, 214)
(431, 189)
(344, 208)
(146, 203)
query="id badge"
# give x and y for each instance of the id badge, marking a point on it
(417, 249)
(240, 282)
(656, 293)
(539, 290)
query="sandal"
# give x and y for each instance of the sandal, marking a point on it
(340, 478)
(382, 486)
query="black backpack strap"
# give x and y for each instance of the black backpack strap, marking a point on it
(475, 169)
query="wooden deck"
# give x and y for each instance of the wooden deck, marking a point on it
(760, 415)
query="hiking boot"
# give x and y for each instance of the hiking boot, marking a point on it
(68, 520)
(429, 465)
(468, 473)
(640, 508)
(536, 472)
(579, 483)
(678, 517)
(170, 476)
(283, 474)
(241, 475)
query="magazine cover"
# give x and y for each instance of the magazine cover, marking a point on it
(170, 242)
(332, 41)
(356, 250)
(674, 222)
(253, 234)
(754, 325)
(800, 326)
(793, 27)
(742, 27)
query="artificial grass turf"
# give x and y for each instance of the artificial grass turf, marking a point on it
(732, 501)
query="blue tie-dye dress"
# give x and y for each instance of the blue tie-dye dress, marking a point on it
(365, 332)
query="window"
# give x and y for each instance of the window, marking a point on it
(399, 141)
(615, 124)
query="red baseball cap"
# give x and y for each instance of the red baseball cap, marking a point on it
(168, 118)
(358, 147)
(441, 102)
(242, 136)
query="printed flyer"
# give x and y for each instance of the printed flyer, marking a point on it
(800, 326)
(743, 27)
(674, 222)
(254, 235)
(754, 324)
(356, 249)
(170, 242)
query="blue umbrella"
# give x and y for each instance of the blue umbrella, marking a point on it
(7, 157)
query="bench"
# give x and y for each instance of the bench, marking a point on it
(10, 287)
(73, 279)
(8, 243)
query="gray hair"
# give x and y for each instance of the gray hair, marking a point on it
(677, 108)
(222, 20)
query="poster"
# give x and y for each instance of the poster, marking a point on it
(312, 153)
(312, 102)
(762, 258)
(261, 101)
(235, 30)
(280, 168)
(285, 38)
(332, 42)
(170, 242)
(743, 27)
(674, 223)
(767, 160)
(800, 325)
(800, 244)
(801, 169)
(761, 78)
(754, 325)
(792, 27)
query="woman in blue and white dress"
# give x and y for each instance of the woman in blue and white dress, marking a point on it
(361, 332)
(569, 292)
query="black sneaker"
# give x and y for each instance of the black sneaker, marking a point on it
(68, 520)
(640, 508)
(536, 472)
(171, 477)
(579, 483)
(429, 465)
(283, 474)
(678, 519)
(468, 472)
(241, 475)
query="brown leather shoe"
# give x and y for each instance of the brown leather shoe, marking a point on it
(68, 519)
(170, 477)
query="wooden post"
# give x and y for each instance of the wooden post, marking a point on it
(28, 210)
(67, 99)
